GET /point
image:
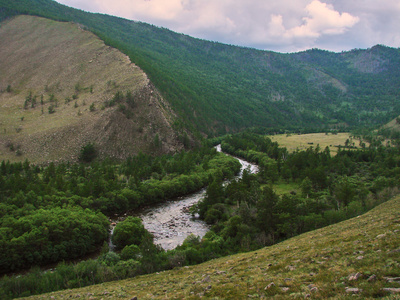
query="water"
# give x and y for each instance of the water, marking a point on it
(171, 222)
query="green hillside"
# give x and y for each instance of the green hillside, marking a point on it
(218, 88)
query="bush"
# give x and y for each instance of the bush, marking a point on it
(130, 252)
(88, 153)
(109, 259)
(129, 232)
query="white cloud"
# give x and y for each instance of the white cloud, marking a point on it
(284, 25)
(325, 20)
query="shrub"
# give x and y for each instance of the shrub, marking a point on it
(129, 232)
(88, 153)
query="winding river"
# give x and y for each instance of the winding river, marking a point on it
(171, 222)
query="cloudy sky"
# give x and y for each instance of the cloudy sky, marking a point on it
(278, 25)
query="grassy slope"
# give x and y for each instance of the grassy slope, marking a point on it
(45, 58)
(316, 263)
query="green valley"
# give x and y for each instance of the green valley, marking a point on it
(101, 117)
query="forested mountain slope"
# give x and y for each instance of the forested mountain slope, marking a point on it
(217, 88)
(62, 88)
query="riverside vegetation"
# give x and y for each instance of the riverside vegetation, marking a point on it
(354, 259)
(245, 214)
(55, 213)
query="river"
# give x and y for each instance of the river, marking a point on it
(171, 222)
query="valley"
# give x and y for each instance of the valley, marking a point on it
(289, 161)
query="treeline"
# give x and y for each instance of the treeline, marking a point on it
(248, 214)
(54, 213)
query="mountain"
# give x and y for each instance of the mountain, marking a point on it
(62, 88)
(215, 88)
(355, 257)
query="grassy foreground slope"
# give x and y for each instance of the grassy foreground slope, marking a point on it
(58, 87)
(359, 257)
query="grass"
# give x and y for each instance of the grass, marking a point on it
(316, 264)
(60, 61)
(281, 187)
(305, 141)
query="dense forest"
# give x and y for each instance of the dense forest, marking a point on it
(54, 213)
(244, 214)
(218, 88)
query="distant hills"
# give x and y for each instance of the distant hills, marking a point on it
(216, 88)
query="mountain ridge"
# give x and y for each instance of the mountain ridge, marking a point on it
(216, 88)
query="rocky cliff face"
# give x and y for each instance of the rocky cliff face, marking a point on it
(61, 88)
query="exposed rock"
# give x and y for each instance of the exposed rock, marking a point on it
(392, 290)
(288, 279)
(206, 279)
(392, 279)
(134, 298)
(354, 277)
(372, 278)
(269, 286)
(312, 288)
(360, 257)
(285, 289)
(353, 290)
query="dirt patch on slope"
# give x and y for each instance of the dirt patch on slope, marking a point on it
(56, 84)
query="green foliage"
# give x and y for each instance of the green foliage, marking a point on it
(129, 232)
(130, 252)
(39, 205)
(51, 109)
(247, 215)
(109, 259)
(49, 235)
(88, 153)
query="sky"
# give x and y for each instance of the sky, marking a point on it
(277, 25)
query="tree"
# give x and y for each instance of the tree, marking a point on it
(129, 232)
(51, 109)
(88, 153)
(344, 191)
(266, 212)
